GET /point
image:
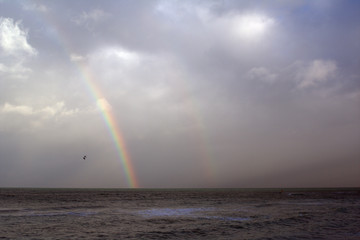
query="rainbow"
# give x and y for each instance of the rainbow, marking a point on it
(111, 124)
(201, 137)
(101, 101)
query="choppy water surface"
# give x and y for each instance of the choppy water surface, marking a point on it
(179, 214)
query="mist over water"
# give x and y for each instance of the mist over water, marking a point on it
(180, 213)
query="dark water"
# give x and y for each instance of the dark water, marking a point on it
(179, 214)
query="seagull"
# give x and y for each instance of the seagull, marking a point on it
(84, 157)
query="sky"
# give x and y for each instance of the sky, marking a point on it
(180, 94)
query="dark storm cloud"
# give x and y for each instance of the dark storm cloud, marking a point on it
(255, 90)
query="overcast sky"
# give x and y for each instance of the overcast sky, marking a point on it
(205, 93)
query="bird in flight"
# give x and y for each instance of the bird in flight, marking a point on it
(84, 157)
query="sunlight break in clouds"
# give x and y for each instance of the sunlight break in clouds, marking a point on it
(251, 26)
(244, 26)
(123, 55)
(102, 103)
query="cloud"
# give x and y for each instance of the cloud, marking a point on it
(57, 109)
(47, 111)
(244, 26)
(355, 95)
(13, 39)
(28, 6)
(139, 76)
(30, 118)
(140, 85)
(14, 49)
(176, 11)
(76, 58)
(90, 17)
(116, 65)
(122, 55)
(250, 26)
(103, 104)
(19, 109)
(17, 71)
(305, 74)
(315, 72)
(262, 74)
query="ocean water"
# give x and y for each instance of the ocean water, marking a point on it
(179, 214)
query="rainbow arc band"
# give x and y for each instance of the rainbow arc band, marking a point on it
(63, 40)
(112, 126)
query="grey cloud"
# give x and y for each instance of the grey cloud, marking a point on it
(192, 87)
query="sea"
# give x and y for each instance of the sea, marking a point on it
(179, 213)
